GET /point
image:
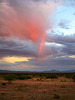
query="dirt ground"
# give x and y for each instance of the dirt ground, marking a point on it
(38, 90)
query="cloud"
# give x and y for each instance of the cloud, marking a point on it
(60, 38)
(64, 24)
(49, 62)
(25, 19)
(62, 45)
(15, 59)
(1, 1)
(72, 2)
(55, 45)
(69, 49)
(16, 47)
(23, 24)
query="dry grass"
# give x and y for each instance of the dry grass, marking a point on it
(38, 90)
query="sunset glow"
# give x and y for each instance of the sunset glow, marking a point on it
(15, 59)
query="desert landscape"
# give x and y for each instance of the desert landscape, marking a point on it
(37, 49)
(39, 87)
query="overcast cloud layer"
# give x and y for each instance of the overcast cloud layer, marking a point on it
(23, 23)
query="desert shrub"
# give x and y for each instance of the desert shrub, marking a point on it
(9, 77)
(20, 87)
(23, 77)
(51, 76)
(68, 75)
(73, 77)
(38, 79)
(41, 78)
(56, 96)
(4, 84)
(63, 86)
(62, 98)
(27, 77)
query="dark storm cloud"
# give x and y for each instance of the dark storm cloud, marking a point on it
(51, 50)
(69, 49)
(57, 45)
(16, 47)
(66, 44)
(61, 38)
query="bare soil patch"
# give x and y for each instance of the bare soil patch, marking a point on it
(38, 90)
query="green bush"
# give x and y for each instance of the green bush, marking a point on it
(73, 77)
(51, 76)
(68, 75)
(27, 77)
(23, 77)
(20, 87)
(9, 77)
(63, 86)
(38, 79)
(56, 96)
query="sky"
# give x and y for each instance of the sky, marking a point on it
(37, 35)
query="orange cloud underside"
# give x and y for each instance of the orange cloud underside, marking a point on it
(15, 59)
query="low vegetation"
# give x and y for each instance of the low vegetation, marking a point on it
(73, 77)
(56, 96)
(9, 77)
(37, 86)
(25, 76)
(63, 86)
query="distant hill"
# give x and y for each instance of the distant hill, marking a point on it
(9, 71)
(5, 71)
(50, 71)
(68, 71)
(57, 71)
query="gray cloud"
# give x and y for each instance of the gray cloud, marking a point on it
(1, 1)
(61, 39)
(69, 49)
(64, 24)
(57, 45)
(68, 43)
(16, 47)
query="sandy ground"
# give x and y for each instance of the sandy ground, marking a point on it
(37, 90)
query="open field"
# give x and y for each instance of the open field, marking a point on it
(37, 86)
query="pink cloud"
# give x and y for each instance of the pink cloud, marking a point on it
(28, 20)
